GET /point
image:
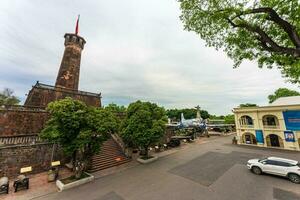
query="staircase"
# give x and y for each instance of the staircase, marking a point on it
(111, 155)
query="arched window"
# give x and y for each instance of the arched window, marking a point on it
(270, 121)
(246, 121)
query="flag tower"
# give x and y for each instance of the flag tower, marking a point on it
(68, 74)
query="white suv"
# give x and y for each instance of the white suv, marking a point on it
(277, 166)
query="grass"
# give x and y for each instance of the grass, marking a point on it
(72, 178)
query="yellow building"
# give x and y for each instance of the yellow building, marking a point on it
(276, 125)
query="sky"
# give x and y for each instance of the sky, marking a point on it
(135, 50)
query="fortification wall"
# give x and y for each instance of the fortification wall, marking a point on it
(13, 158)
(22, 120)
(40, 95)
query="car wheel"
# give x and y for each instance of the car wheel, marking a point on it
(294, 178)
(256, 170)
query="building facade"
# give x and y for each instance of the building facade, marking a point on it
(276, 125)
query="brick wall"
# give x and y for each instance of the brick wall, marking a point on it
(13, 158)
(21, 121)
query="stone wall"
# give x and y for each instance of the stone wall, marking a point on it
(13, 158)
(40, 95)
(21, 120)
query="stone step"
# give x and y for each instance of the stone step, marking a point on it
(108, 165)
(101, 162)
(107, 157)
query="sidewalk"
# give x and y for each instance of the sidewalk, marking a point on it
(38, 186)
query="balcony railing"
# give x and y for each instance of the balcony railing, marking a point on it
(271, 127)
(247, 126)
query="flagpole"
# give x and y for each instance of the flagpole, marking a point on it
(77, 25)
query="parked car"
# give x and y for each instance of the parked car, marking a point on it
(277, 166)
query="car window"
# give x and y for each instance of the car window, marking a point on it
(283, 164)
(271, 162)
(278, 163)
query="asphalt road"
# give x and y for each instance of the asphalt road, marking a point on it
(215, 170)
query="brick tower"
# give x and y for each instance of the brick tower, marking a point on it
(68, 74)
(67, 80)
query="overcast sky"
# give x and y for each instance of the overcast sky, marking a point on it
(136, 49)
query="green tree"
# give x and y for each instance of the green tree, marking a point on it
(118, 111)
(217, 117)
(229, 119)
(188, 113)
(144, 125)
(245, 105)
(78, 129)
(114, 108)
(7, 97)
(282, 92)
(262, 30)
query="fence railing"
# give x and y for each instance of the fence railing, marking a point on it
(20, 139)
(68, 90)
(22, 108)
(271, 127)
(118, 140)
(247, 126)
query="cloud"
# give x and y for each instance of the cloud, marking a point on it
(136, 49)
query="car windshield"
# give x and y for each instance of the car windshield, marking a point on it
(262, 159)
(298, 164)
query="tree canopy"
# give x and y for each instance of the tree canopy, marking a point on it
(79, 129)
(144, 125)
(228, 119)
(245, 105)
(118, 111)
(188, 113)
(282, 92)
(7, 97)
(115, 108)
(263, 30)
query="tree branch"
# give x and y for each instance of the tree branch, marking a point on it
(273, 16)
(267, 42)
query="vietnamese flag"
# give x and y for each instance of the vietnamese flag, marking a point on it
(77, 26)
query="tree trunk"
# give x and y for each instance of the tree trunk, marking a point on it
(74, 160)
(146, 152)
(88, 157)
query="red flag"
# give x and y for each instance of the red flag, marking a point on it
(77, 26)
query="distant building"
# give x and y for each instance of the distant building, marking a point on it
(276, 125)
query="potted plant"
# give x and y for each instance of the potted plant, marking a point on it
(51, 175)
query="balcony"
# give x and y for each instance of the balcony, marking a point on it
(247, 126)
(270, 122)
(246, 122)
(273, 127)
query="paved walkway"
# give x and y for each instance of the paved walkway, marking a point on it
(38, 186)
(209, 169)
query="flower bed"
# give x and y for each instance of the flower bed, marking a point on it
(71, 181)
(145, 160)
